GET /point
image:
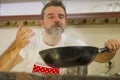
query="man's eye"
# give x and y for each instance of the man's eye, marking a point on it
(50, 17)
(62, 17)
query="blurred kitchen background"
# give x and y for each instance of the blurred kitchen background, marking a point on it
(94, 33)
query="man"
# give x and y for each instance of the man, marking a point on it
(27, 44)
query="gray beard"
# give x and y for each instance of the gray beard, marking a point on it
(55, 33)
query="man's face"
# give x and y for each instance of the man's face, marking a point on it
(54, 20)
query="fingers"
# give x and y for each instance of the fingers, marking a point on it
(23, 36)
(112, 45)
(20, 26)
(24, 32)
(28, 35)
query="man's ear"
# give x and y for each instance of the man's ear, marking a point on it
(41, 23)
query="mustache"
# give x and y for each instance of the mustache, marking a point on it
(57, 24)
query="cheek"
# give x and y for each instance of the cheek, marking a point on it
(47, 22)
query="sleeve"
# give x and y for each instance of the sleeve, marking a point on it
(33, 45)
(30, 48)
(24, 52)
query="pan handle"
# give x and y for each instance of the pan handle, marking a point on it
(100, 50)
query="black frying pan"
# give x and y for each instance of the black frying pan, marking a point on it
(70, 56)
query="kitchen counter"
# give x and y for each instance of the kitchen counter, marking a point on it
(29, 76)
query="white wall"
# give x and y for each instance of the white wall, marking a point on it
(72, 6)
(93, 35)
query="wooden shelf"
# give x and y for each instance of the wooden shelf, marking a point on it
(81, 18)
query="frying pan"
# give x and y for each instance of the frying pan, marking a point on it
(70, 56)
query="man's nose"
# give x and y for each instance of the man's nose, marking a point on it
(57, 19)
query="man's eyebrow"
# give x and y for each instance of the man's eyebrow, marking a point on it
(52, 14)
(49, 14)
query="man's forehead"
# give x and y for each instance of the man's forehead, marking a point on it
(54, 10)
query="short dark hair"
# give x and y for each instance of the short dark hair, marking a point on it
(52, 3)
